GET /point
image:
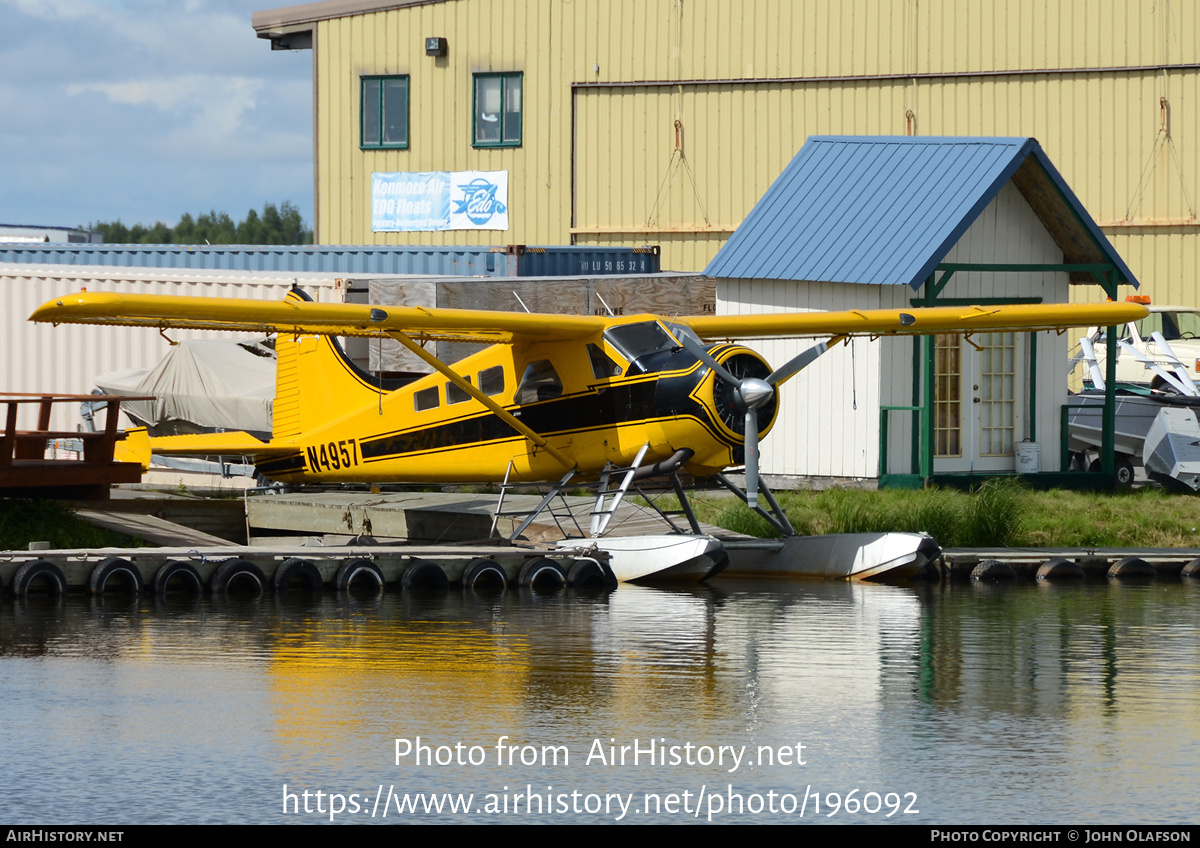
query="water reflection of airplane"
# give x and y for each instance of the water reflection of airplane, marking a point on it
(562, 399)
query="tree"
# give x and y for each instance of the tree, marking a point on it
(276, 225)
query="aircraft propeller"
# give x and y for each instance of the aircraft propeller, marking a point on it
(752, 394)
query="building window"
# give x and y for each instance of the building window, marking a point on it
(497, 110)
(384, 112)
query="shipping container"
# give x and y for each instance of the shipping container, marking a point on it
(66, 359)
(507, 261)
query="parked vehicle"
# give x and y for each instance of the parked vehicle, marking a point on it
(1167, 336)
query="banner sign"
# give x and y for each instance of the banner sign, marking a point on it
(439, 200)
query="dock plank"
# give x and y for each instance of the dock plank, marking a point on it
(150, 528)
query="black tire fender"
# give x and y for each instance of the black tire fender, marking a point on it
(423, 574)
(541, 573)
(588, 572)
(296, 569)
(180, 572)
(357, 573)
(993, 571)
(1132, 568)
(39, 570)
(1060, 568)
(235, 575)
(122, 569)
(484, 575)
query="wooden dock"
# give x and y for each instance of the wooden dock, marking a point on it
(440, 517)
(86, 474)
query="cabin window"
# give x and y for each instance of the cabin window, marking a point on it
(384, 113)
(602, 364)
(497, 110)
(454, 394)
(491, 380)
(426, 399)
(539, 382)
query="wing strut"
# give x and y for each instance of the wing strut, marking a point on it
(503, 414)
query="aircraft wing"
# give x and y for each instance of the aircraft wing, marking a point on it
(306, 317)
(915, 321)
(478, 325)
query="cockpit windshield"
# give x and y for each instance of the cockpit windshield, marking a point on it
(646, 345)
(634, 341)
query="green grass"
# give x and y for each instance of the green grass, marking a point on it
(25, 521)
(1000, 513)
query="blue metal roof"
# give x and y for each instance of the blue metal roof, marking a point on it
(887, 210)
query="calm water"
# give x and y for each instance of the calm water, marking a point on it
(1021, 704)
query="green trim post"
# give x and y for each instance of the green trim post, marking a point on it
(927, 430)
(1108, 452)
(1033, 387)
(915, 462)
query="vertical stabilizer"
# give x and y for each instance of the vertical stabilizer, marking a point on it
(316, 383)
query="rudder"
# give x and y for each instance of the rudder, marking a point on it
(315, 382)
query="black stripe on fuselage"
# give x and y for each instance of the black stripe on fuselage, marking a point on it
(628, 402)
(282, 465)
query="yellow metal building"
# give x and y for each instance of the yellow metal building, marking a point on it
(663, 121)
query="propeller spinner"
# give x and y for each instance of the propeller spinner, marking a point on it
(751, 394)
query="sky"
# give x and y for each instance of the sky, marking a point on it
(142, 110)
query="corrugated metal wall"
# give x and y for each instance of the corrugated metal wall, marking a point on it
(67, 359)
(749, 81)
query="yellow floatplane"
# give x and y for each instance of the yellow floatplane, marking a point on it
(559, 399)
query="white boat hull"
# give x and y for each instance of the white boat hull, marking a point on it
(654, 559)
(840, 556)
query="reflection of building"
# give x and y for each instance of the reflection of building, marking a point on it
(663, 121)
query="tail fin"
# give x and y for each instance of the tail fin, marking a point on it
(315, 383)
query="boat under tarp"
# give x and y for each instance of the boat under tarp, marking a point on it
(201, 386)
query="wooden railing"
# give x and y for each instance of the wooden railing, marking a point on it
(24, 469)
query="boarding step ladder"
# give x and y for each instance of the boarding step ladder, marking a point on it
(561, 513)
(608, 499)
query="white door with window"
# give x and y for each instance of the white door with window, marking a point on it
(978, 402)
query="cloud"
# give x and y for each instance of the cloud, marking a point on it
(140, 109)
(56, 10)
(188, 93)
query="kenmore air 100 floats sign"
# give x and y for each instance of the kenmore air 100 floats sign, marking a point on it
(439, 200)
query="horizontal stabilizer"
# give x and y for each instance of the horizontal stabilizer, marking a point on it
(233, 443)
